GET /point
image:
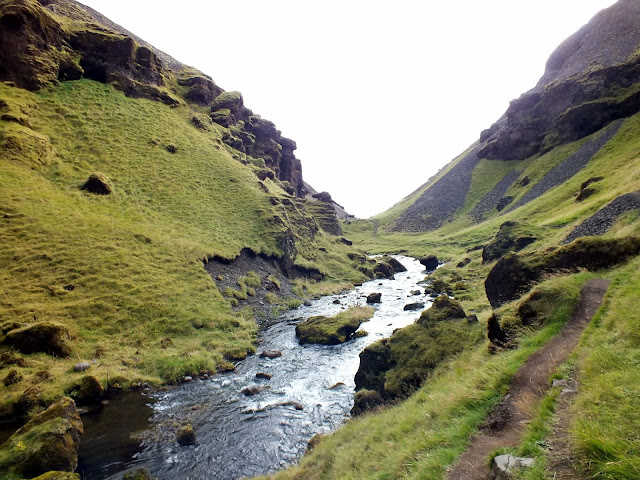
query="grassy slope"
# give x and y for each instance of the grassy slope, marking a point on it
(420, 437)
(134, 258)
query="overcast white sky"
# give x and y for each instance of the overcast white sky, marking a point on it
(378, 95)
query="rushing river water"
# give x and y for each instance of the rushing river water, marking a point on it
(243, 436)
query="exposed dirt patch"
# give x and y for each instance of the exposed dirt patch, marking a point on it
(507, 422)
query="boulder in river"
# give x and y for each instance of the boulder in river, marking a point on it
(430, 262)
(413, 306)
(374, 297)
(254, 390)
(271, 354)
(395, 264)
(186, 435)
(333, 330)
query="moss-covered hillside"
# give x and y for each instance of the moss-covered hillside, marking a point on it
(119, 272)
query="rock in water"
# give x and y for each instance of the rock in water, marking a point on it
(374, 297)
(47, 442)
(270, 354)
(413, 306)
(430, 262)
(185, 435)
(138, 474)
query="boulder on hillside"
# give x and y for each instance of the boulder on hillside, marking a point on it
(443, 308)
(430, 262)
(510, 237)
(365, 400)
(503, 466)
(323, 197)
(89, 391)
(48, 442)
(98, 183)
(46, 337)
(383, 270)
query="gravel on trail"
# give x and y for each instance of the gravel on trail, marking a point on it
(601, 221)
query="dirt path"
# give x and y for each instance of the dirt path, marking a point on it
(506, 423)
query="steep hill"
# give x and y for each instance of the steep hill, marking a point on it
(543, 205)
(589, 87)
(125, 174)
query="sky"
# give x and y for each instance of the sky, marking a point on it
(378, 95)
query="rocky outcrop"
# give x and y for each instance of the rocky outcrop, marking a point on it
(514, 274)
(601, 221)
(590, 80)
(397, 366)
(46, 337)
(98, 183)
(511, 237)
(47, 442)
(38, 50)
(569, 166)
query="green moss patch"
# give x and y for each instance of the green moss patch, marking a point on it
(333, 330)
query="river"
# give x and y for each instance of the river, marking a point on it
(243, 436)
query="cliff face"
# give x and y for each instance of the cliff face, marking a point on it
(56, 40)
(591, 80)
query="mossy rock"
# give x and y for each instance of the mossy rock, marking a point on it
(430, 262)
(27, 402)
(48, 442)
(397, 366)
(514, 274)
(365, 400)
(395, 264)
(89, 391)
(185, 435)
(98, 184)
(232, 101)
(12, 377)
(383, 270)
(45, 337)
(443, 308)
(333, 330)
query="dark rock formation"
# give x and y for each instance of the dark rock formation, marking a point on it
(186, 435)
(47, 442)
(430, 262)
(511, 237)
(89, 391)
(374, 297)
(270, 354)
(601, 221)
(443, 308)
(514, 274)
(413, 306)
(586, 85)
(46, 337)
(383, 270)
(98, 183)
(365, 400)
(395, 264)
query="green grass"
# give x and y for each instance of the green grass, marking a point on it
(123, 271)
